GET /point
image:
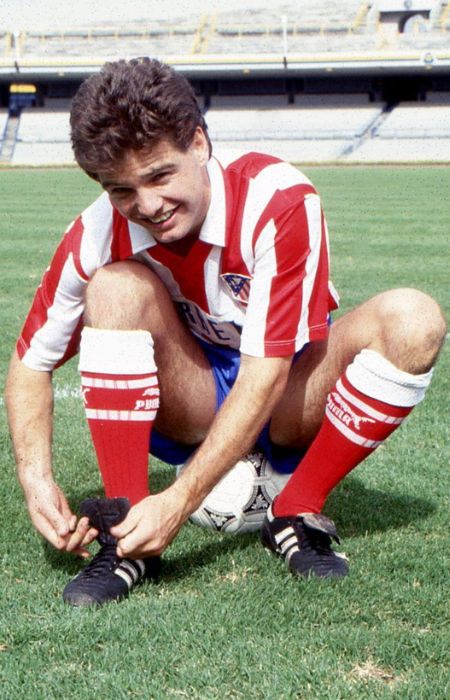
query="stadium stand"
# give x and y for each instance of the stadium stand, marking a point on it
(411, 132)
(295, 151)
(43, 137)
(43, 125)
(308, 120)
(379, 151)
(349, 120)
(317, 129)
(417, 120)
(319, 26)
(42, 154)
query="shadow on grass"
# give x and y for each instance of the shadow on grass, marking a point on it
(357, 510)
(177, 566)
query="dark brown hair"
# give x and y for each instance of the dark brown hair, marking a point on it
(131, 105)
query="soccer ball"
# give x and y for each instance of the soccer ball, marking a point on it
(238, 503)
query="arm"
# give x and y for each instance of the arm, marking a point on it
(29, 403)
(153, 523)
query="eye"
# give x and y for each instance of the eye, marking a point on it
(120, 192)
(161, 177)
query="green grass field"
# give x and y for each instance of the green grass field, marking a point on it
(227, 621)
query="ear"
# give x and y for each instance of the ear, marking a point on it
(199, 146)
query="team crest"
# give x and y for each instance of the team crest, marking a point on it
(239, 286)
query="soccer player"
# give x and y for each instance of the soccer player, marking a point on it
(197, 292)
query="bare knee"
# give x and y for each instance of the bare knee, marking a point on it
(411, 329)
(119, 296)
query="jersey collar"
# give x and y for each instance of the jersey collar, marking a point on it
(214, 226)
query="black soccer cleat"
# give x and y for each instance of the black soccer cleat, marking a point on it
(304, 542)
(107, 577)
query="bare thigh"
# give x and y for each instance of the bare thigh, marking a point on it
(405, 326)
(299, 414)
(128, 296)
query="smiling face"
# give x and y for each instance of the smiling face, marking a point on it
(165, 190)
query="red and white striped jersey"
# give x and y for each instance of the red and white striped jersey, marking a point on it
(257, 278)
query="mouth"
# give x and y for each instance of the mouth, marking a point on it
(162, 218)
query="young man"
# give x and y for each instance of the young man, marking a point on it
(198, 294)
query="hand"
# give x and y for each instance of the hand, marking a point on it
(151, 525)
(53, 519)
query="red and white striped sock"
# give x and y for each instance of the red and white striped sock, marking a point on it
(369, 402)
(121, 395)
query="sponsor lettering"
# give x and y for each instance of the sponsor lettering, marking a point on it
(344, 412)
(146, 404)
(152, 391)
(209, 328)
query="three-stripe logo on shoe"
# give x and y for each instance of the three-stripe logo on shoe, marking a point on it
(287, 542)
(130, 570)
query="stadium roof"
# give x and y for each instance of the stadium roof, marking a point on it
(202, 66)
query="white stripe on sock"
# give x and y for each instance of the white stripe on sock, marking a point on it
(100, 383)
(103, 414)
(349, 434)
(372, 412)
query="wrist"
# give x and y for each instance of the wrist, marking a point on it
(186, 494)
(29, 476)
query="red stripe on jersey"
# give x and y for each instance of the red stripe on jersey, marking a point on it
(237, 178)
(187, 266)
(121, 247)
(292, 247)
(250, 164)
(45, 294)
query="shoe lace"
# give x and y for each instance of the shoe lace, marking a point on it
(311, 539)
(105, 560)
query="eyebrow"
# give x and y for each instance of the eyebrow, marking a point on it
(151, 172)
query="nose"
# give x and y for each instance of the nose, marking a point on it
(148, 203)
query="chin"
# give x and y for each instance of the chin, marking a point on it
(168, 237)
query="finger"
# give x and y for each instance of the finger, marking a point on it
(126, 549)
(66, 511)
(81, 538)
(126, 526)
(142, 551)
(138, 543)
(130, 545)
(77, 537)
(45, 528)
(90, 536)
(57, 521)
